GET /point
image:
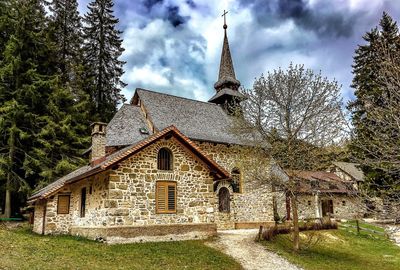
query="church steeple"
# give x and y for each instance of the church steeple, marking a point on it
(227, 85)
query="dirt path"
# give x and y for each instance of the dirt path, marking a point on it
(241, 246)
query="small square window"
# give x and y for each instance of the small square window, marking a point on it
(309, 203)
(343, 203)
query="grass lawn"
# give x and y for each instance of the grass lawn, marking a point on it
(341, 249)
(21, 249)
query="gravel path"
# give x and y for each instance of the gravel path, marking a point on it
(241, 246)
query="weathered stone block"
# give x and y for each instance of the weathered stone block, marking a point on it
(198, 168)
(116, 194)
(118, 212)
(122, 186)
(184, 167)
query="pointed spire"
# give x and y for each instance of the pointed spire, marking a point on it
(226, 77)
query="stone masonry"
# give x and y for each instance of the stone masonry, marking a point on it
(125, 197)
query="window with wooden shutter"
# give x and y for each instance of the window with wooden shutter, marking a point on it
(63, 204)
(165, 197)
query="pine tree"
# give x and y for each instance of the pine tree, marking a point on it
(23, 75)
(103, 47)
(66, 28)
(368, 64)
(41, 120)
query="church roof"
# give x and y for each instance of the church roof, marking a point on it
(124, 128)
(86, 171)
(198, 120)
(227, 92)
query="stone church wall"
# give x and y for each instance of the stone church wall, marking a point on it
(254, 203)
(95, 214)
(132, 189)
(38, 217)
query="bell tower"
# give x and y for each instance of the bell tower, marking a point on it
(227, 86)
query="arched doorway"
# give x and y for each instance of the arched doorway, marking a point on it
(224, 200)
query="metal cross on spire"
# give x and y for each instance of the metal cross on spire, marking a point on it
(224, 15)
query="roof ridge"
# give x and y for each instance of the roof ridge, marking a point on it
(166, 94)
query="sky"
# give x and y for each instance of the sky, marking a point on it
(174, 46)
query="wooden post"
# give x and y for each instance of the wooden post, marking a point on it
(260, 231)
(358, 226)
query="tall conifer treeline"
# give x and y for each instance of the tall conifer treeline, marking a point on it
(49, 90)
(371, 94)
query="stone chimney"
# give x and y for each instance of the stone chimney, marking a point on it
(98, 143)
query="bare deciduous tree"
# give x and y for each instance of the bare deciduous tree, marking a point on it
(302, 109)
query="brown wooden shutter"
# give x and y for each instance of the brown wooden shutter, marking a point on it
(165, 197)
(63, 204)
(171, 197)
(161, 197)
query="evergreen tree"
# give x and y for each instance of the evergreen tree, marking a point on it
(369, 61)
(40, 119)
(23, 72)
(103, 47)
(66, 29)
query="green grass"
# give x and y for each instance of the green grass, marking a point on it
(341, 249)
(21, 249)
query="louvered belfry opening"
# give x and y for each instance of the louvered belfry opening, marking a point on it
(224, 200)
(236, 183)
(164, 159)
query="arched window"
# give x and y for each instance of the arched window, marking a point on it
(164, 159)
(224, 200)
(236, 181)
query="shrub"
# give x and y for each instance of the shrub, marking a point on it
(325, 223)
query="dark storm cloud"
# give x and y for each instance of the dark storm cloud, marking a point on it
(323, 19)
(150, 3)
(174, 17)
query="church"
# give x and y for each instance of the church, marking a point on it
(164, 168)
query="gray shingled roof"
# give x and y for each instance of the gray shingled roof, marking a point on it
(60, 182)
(228, 92)
(351, 169)
(123, 129)
(196, 119)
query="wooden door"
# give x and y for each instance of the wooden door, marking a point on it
(327, 208)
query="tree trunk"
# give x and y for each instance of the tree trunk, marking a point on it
(296, 231)
(11, 145)
(7, 208)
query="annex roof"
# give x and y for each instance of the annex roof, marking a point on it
(323, 182)
(351, 169)
(115, 158)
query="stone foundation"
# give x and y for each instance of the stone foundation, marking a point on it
(149, 233)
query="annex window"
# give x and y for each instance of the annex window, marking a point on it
(236, 181)
(63, 204)
(165, 197)
(83, 202)
(164, 159)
